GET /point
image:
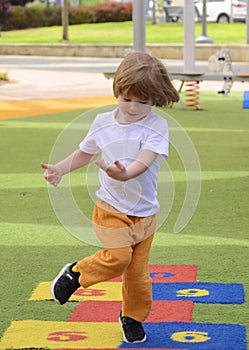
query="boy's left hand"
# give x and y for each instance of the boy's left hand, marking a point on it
(116, 170)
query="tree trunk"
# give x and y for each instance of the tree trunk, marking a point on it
(154, 12)
(64, 18)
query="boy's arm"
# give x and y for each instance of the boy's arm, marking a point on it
(119, 172)
(76, 160)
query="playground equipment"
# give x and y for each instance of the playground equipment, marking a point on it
(221, 62)
(192, 95)
(192, 81)
(220, 66)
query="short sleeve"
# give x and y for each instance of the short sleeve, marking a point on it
(158, 139)
(89, 144)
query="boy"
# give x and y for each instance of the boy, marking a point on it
(132, 141)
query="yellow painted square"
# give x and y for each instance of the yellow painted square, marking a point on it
(100, 291)
(55, 335)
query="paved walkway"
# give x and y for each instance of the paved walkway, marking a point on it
(32, 92)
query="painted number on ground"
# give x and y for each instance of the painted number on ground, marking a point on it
(192, 292)
(190, 337)
(66, 336)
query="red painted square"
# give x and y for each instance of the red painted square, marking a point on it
(118, 348)
(168, 311)
(96, 311)
(170, 273)
(108, 311)
(173, 273)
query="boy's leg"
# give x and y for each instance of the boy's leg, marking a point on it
(137, 285)
(112, 227)
(104, 265)
(101, 266)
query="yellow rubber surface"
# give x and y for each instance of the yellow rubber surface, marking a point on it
(26, 108)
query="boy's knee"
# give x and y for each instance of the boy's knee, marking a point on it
(121, 256)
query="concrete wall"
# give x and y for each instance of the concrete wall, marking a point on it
(238, 53)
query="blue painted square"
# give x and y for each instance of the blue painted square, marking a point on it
(198, 292)
(245, 104)
(192, 336)
(246, 99)
(246, 95)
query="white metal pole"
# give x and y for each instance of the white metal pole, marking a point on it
(139, 25)
(204, 39)
(189, 36)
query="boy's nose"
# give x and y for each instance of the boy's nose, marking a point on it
(133, 106)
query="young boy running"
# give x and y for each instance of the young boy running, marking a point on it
(132, 141)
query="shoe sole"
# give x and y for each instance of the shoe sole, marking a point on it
(54, 282)
(126, 340)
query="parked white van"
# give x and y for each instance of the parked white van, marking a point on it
(223, 11)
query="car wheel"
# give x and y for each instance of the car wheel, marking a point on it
(223, 18)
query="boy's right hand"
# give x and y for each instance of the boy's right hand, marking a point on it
(51, 174)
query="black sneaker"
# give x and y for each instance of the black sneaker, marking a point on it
(133, 331)
(65, 284)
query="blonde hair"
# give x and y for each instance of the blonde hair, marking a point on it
(145, 77)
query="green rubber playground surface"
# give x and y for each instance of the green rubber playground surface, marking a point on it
(34, 244)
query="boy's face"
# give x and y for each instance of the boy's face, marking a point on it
(132, 109)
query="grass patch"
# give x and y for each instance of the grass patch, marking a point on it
(4, 76)
(34, 245)
(122, 33)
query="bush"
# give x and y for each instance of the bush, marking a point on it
(51, 16)
(17, 20)
(81, 14)
(33, 17)
(113, 12)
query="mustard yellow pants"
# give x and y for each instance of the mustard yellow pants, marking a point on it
(127, 257)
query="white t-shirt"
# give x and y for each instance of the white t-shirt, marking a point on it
(123, 142)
